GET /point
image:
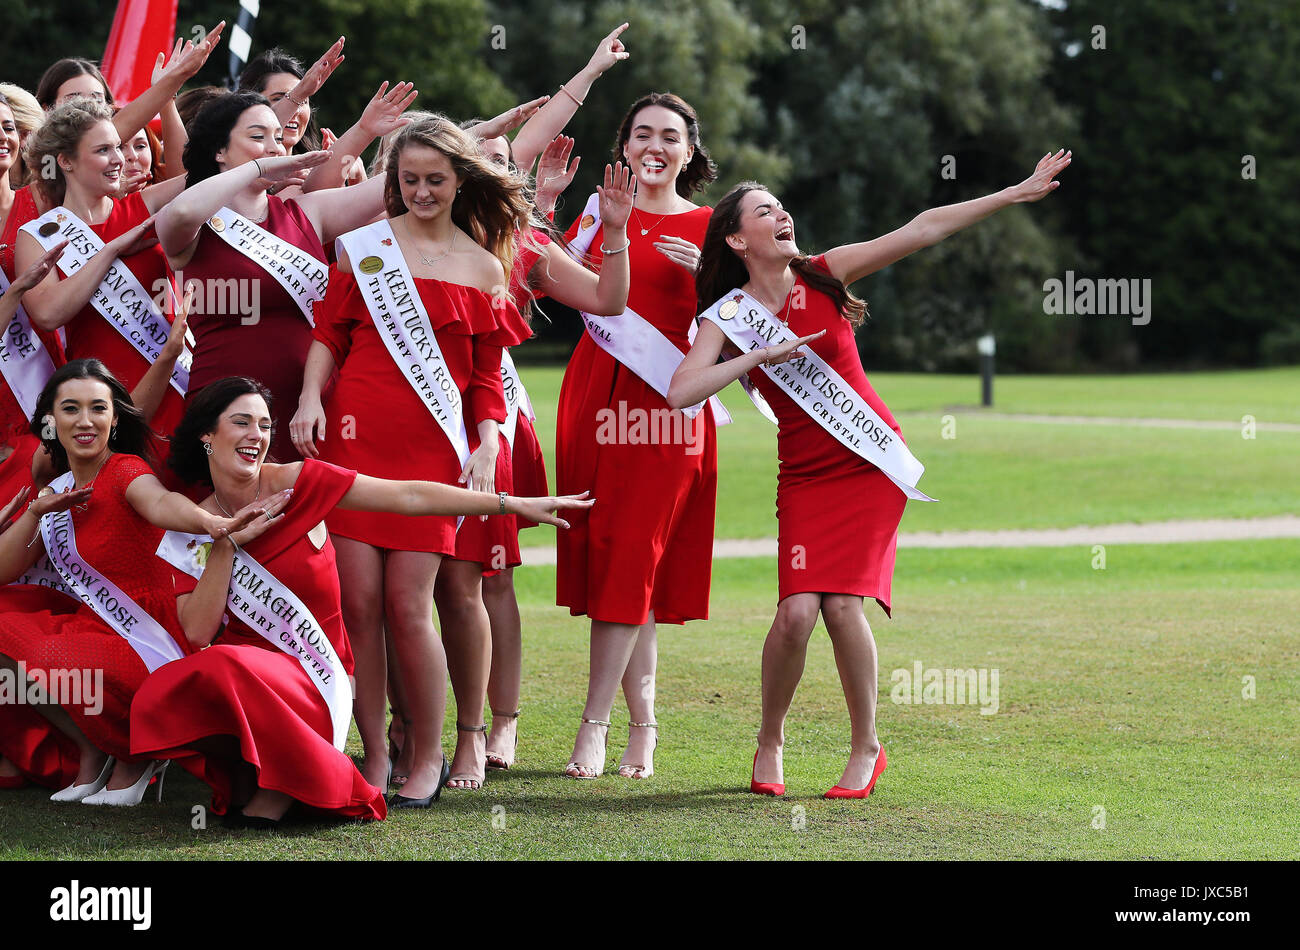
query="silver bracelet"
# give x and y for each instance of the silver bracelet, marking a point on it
(618, 250)
(502, 496)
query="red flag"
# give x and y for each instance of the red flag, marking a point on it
(141, 30)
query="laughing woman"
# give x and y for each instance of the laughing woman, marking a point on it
(839, 501)
(262, 712)
(100, 521)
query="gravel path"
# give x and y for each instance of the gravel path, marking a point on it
(1155, 532)
(1120, 421)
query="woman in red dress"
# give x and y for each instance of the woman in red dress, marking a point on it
(119, 511)
(837, 513)
(541, 268)
(451, 227)
(246, 321)
(242, 713)
(644, 553)
(80, 142)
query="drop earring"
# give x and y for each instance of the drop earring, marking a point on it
(207, 448)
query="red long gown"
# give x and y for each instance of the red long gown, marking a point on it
(647, 543)
(68, 635)
(244, 687)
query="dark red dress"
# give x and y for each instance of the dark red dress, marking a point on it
(88, 334)
(647, 543)
(377, 425)
(837, 513)
(245, 687)
(269, 346)
(68, 635)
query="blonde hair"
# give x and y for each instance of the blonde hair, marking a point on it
(60, 135)
(491, 205)
(28, 116)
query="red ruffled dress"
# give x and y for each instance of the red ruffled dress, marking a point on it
(377, 425)
(528, 474)
(68, 635)
(272, 348)
(89, 334)
(246, 688)
(837, 513)
(647, 543)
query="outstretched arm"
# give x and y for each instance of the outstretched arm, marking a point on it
(186, 60)
(851, 262)
(562, 278)
(382, 115)
(435, 498)
(551, 119)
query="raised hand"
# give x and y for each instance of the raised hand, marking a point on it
(608, 52)
(1041, 183)
(17, 502)
(616, 197)
(37, 272)
(508, 120)
(680, 251)
(539, 509)
(48, 500)
(554, 173)
(175, 345)
(187, 58)
(789, 350)
(383, 113)
(320, 71)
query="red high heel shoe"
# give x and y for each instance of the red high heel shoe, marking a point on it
(764, 788)
(841, 792)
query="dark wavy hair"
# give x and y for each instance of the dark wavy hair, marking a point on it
(268, 63)
(700, 170)
(722, 269)
(210, 130)
(187, 459)
(63, 70)
(131, 436)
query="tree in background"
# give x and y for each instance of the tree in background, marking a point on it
(1190, 114)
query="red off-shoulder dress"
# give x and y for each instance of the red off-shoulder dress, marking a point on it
(377, 425)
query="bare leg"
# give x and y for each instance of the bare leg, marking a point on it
(268, 804)
(408, 592)
(92, 759)
(855, 657)
(611, 648)
(467, 638)
(507, 664)
(361, 582)
(639, 691)
(397, 728)
(783, 659)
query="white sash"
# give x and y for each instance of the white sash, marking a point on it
(303, 276)
(819, 391)
(516, 397)
(629, 337)
(120, 297)
(268, 607)
(25, 365)
(404, 326)
(43, 574)
(153, 644)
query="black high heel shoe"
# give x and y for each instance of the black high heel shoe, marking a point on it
(398, 800)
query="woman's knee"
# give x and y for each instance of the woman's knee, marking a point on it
(795, 618)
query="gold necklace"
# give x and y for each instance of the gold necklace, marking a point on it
(645, 231)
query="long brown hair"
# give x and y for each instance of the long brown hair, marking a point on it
(700, 170)
(492, 204)
(722, 269)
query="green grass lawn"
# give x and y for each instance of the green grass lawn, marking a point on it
(1006, 474)
(1118, 690)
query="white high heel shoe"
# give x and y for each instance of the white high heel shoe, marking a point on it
(133, 794)
(76, 793)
